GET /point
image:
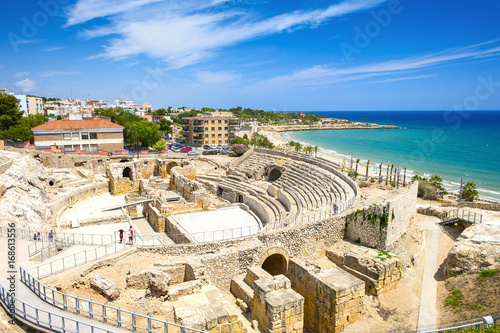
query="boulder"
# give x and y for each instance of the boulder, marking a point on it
(138, 279)
(105, 287)
(159, 282)
(477, 249)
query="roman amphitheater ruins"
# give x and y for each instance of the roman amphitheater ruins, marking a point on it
(272, 241)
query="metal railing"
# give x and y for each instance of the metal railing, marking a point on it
(461, 214)
(74, 260)
(47, 249)
(313, 216)
(99, 311)
(75, 238)
(44, 319)
(472, 323)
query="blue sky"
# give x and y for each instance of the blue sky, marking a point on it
(273, 55)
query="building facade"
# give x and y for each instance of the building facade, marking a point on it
(209, 130)
(35, 105)
(75, 132)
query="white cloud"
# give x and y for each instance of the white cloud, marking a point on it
(417, 77)
(25, 85)
(22, 74)
(52, 73)
(217, 78)
(55, 48)
(324, 75)
(183, 33)
(86, 10)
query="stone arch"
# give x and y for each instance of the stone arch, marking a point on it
(274, 260)
(273, 172)
(127, 173)
(220, 191)
(239, 198)
(170, 165)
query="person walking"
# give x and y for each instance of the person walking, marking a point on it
(51, 236)
(131, 236)
(39, 236)
(335, 209)
(121, 231)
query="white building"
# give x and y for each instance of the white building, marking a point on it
(22, 103)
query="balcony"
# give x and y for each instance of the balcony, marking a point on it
(197, 130)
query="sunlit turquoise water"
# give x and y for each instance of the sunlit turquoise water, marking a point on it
(449, 144)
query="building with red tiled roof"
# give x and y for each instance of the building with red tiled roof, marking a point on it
(75, 132)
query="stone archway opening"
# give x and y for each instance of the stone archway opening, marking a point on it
(239, 198)
(220, 191)
(170, 166)
(127, 173)
(274, 174)
(275, 264)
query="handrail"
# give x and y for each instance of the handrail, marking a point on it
(96, 310)
(45, 319)
(454, 214)
(75, 238)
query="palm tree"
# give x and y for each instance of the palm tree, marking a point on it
(392, 167)
(380, 173)
(298, 147)
(387, 175)
(315, 149)
(357, 162)
(367, 164)
(404, 178)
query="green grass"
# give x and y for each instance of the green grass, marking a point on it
(383, 255)
(484, 275)
(454, 299)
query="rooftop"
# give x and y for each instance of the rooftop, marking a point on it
(77, 124)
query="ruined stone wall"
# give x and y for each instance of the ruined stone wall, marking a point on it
(183, 181)
(50, 160)
(80, 194)
(154, 217)
(402, 209)
(480, 205)
(304, 241)
(277, 307)
(382, 226)
(97, 221)
(333, 298)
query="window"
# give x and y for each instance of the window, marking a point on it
(206, 135)
(213, 128)
(220, 121)
(93, 136)
(213, 141)
(225, 141)
(213, 121)
(219, 128)
(207, 142)
(93, 147)
(226, 121)
(206, 121)
(226, 128)
(213, 135)
(220, 141)
(226, 135)
(219, 135)
(206, 128)
(85, 135)
(66, 136)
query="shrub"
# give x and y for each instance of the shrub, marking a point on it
(454, 299)
(239, 149)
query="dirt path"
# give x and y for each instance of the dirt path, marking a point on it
(427, 311)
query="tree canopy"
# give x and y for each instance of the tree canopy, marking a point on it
(9, 112)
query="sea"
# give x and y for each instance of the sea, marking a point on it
(451, 144)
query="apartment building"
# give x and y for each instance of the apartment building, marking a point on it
(208, 130)
(76, 132)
